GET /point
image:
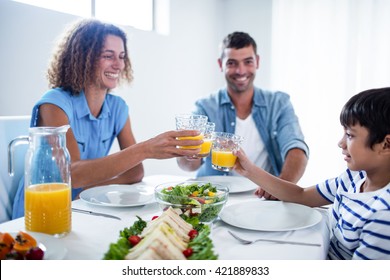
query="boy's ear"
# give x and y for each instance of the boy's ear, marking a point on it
(386, 143)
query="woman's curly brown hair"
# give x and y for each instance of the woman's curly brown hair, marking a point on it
(74, 63)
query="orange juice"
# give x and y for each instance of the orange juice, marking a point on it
(48, 208)
(223, 158)
(197, 137)
(205, 148)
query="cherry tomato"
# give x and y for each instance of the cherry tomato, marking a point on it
(193, 233)
(134, 239)
(188, 252)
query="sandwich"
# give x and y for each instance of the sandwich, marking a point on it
(172, 219)
(164, 238)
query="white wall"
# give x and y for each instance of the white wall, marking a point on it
(27, 38)
(170, 71)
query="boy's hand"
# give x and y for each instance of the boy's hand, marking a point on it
(263, 194)
(244, 166)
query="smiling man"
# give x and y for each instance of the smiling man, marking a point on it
(272, 135)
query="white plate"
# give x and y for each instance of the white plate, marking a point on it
(53, 247)
(236, 184)
(266, 215)
(119, 195)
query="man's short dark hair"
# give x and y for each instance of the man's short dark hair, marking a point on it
(237, 40)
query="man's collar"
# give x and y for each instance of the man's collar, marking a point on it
(258, 98)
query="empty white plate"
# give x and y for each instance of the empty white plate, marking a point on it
(119, 195)
(267, 215)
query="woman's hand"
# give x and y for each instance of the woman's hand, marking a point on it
(166, 145)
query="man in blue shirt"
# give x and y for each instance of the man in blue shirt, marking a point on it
(266, 120)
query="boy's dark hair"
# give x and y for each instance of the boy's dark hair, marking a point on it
(371, 109)
(237, 40)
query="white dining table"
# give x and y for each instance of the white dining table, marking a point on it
(91, 235)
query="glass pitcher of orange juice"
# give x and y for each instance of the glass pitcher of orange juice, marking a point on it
(47, 182)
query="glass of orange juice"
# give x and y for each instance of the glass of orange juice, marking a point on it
(224, 144)
(191, 122)
(207, 140)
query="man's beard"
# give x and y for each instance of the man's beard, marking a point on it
(239, 89)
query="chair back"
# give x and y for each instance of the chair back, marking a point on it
(10, 128)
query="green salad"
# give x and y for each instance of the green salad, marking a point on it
(120, 249)
(194, 199)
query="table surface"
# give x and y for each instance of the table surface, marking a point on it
(91, 235)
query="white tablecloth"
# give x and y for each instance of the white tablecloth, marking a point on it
(91, 235)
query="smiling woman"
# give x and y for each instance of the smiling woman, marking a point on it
(81, 56)
(111, 63)
(90, 61)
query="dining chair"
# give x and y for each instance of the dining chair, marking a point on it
(10, 128)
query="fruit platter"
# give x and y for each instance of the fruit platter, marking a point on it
(21, 246)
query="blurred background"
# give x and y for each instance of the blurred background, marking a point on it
(321, 52)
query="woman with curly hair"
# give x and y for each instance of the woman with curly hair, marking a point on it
(90, 61)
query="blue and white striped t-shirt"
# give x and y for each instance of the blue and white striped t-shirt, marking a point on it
(360, 222)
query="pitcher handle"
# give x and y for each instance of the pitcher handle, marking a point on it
(11, 148)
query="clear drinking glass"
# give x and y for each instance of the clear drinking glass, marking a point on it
(224, 144)
(208, 137)
(191, 122)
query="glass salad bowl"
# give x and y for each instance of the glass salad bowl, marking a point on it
(203, 200)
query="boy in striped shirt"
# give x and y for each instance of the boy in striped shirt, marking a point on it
(360, 217)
